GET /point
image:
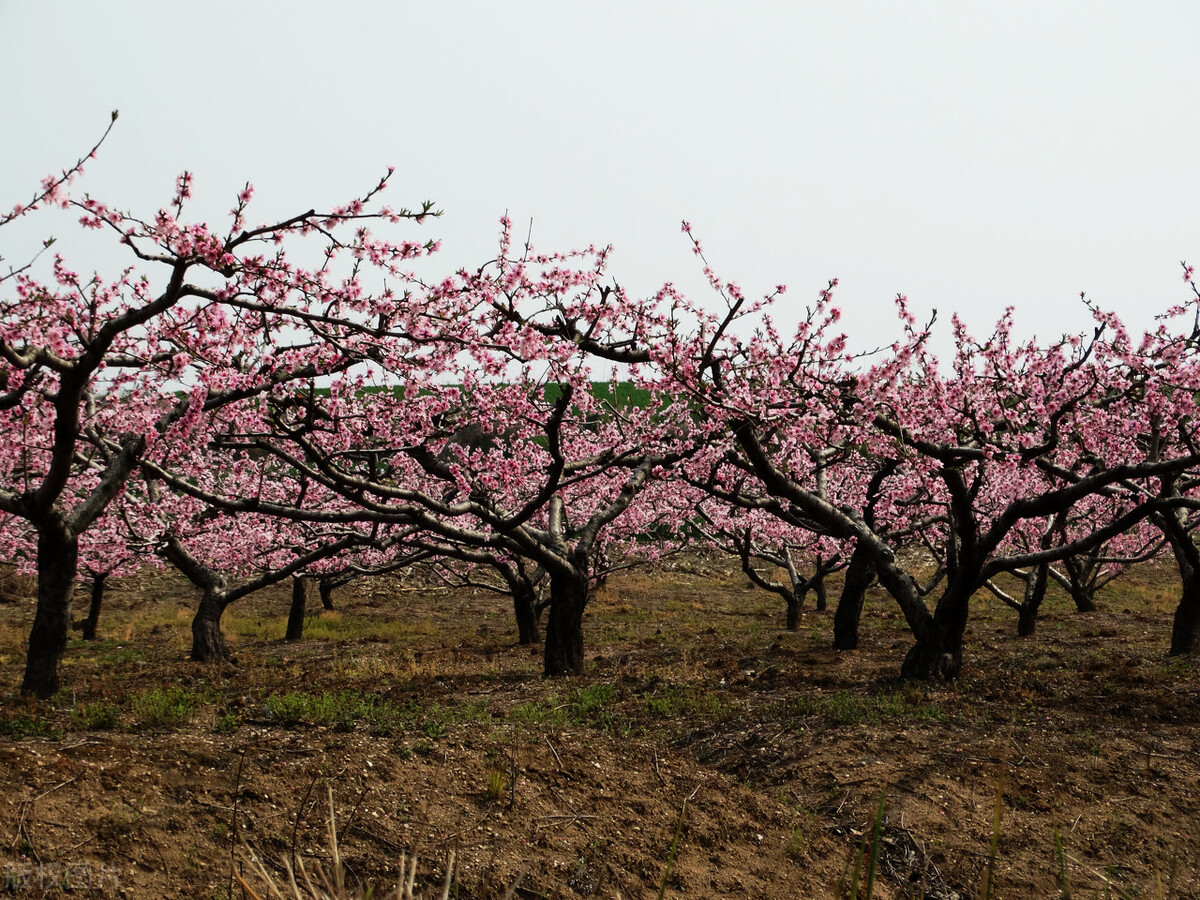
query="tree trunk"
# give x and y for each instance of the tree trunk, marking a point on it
(859, 574)
(208, 643)
(295, 625)
(93, 619)
(57, 562)
(325, 588)
(938, 653)
(1085, 599)
(794, 610)
(1035, 593)
(818, 584)
(1185, 628)
(937, 657)
(526, 612)
(564, 626)
(1082, 573)
(1185, 631)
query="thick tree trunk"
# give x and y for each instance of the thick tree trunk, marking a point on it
(57, 562)
(295, 624)
(937, 657)
(1026, 621)
(93, 618)
(1081, 578)
(1080, 582)
(525, 609)
(208, 643)
(1085, 599)
(325, 588)
(564, 626)
(859, 574)
(795, 608)
(1185, 631)
(938, 653)
(818, 584)
(1035, 593)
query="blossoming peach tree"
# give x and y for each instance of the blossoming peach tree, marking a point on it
(489, 441)
(1007, 439)
(97, 375)
(301, 394)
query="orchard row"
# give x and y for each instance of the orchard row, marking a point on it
(250, 402)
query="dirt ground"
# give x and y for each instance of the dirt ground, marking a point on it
(706, 752)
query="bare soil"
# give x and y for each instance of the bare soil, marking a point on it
(706, 749)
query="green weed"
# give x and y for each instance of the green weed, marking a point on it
(851, 878)
(497, 785)
(1064, 886)
(593, 706)
(341, 710)
(332, 627)
(990, 879)
(98, 716)
(164, 708)
(433, 728)
(19, 727)
(802, 832)
(843, 708)
(691, 702)
(348, 709)
(671, 853)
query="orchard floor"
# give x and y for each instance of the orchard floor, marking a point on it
(764, 752)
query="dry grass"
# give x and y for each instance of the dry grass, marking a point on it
(332, 885)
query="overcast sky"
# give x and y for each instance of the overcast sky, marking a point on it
(969, 155)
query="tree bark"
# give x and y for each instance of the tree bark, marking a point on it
(1080, 583)
(937, 655)
(860, 572)
(325, 589)
(295, 624)
(208, 643)
(1185, 630)
(525, 609)
(795, 609)
(818, 584)
(1186, 626)
(97, 599)
(1085, 600)
(564, 626)
(1035, 593)
(57, 562)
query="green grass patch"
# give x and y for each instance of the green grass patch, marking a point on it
(331, 627)
(164, 707)
(341, 710)
(18, 727)
(689, 701)
(594, 706)
(545, 713)
(97, 716)
(346, 710)
(153, 708)
(622, 394)
(107, 652)
(843, 708)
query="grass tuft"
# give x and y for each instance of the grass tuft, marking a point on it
(164, 707)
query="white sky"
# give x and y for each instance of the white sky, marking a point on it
(969, 155)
